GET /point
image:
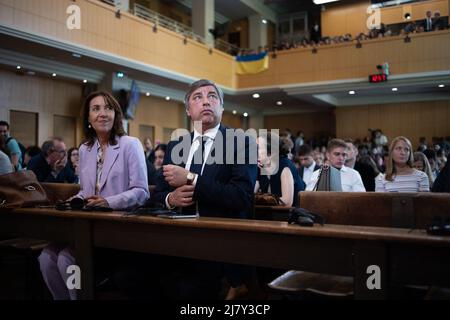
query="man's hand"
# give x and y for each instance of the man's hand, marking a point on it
(181, 196)
(96, 201)
(59, 165)
(175, 176)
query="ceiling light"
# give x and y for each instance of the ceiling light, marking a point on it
(264, 21)
(256, 95)
(394, 89)
(323, 1)
(245, 114)
(279, 103)
(167, 98)
(441, 86)
(84, 81)
(351, 92)
(234, 111)
(18, 67)
(76, 55)
(120, 74)
(147, 94)
(53, 74)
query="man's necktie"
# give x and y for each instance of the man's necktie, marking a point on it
(199, 156)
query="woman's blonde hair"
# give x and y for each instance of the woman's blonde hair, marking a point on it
(419, 156)
(390, 165)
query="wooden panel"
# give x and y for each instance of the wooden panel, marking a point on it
(45, 96)
(65, 127)
(413, 120)
(313, 124)
(23, 127)
(146, 131)
(129, 37)
(231, 120)
(158, 113)
(339, 19)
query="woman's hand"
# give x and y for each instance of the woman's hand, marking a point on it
(96, 201)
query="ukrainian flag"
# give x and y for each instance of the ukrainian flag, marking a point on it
(253, 63)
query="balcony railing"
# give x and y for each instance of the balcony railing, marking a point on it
(180, 28)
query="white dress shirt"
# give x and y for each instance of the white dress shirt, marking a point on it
(308, 172)
(211, 134)
(350, 179)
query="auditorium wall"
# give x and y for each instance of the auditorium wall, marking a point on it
(313, 124)
(413, 120)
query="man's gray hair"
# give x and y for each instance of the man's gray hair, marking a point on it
(202, 83)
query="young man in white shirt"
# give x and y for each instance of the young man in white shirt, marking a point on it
(337, 151)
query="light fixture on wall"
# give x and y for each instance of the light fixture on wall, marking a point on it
(314, 50)
(118, 14)
(407, 39)
(407, 16)
(358, 44)
(155, 28)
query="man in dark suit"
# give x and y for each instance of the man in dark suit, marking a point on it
(51, 164)
(428, 22)
(211, 171)
(308, 165)
(442, 182)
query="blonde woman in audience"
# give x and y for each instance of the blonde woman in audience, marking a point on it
(400, 175)
(421, 163)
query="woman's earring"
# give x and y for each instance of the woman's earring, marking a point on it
(89, 126)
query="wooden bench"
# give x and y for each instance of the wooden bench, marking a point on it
(399, 210)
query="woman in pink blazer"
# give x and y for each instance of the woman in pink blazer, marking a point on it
(112, 172)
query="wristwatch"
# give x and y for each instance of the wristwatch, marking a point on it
(190, 178)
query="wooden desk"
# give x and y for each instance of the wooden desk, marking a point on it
(404, 256)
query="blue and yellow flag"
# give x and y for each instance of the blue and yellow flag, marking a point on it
(253, 63)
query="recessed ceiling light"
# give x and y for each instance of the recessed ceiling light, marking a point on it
(18, 67)
(147, 94)
(394, 89)
(167, 98)
(53, 74)
(84, 81)
(120, 74)
(279, 103)
(76, 55)
(234, 111)
(351, 92)
(245, 114)
(31, 73)
(256, 95)
(441, 86)
(264, 21)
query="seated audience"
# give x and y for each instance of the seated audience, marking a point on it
(51, 164)
(279, 175)
(366, 171)
(159, 154)
(112, 174)
(73, 161)
(400, 175)
(442, 182)
(308, 165)
(30, 152)
(14, 152)
(337, 152)
(421, 163)
(5, 163)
